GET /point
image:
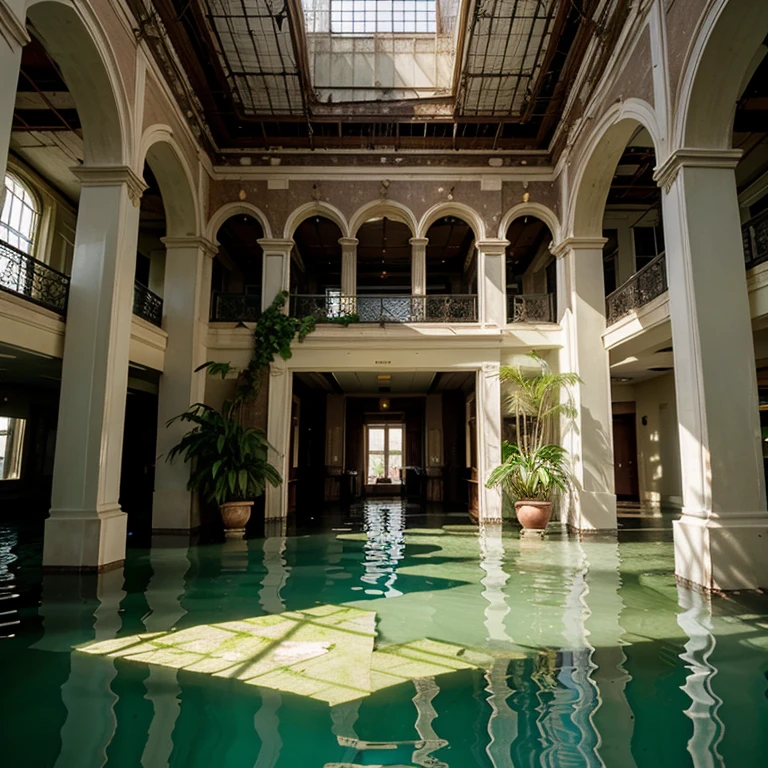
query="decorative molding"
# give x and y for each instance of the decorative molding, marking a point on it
(11, 29)
(203, 243)
(419, 242)
(577, 244)
(492, 247)
(666, 173)
(278, 183)
(110, 176)
(275, 245)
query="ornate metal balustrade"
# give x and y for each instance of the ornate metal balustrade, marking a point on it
(147, 305)
(25, 276)
(644, 286)
(235, 307)
(755, 237)
(453, 308)
(531, 308)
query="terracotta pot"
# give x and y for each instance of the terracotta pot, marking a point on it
(533, 514)
(235, 515)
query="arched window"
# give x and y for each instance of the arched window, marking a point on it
(20, 214)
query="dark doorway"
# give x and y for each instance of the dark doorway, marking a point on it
(625, 456)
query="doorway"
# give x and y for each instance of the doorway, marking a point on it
(625, 457)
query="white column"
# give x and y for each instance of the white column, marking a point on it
(419, 265)
(13, 37)
(86, 528)
(581, 303)
(276, 269)
(492, 281)
(278, 434)
(185, 320)
(488, 396)
(348, 265)
(720, 541)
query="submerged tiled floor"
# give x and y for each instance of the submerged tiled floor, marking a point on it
(411, 642)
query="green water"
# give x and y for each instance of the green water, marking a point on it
(564, 652)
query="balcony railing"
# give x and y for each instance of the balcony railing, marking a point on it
(25, 276)
(755, 236)
(644, 286)
(378, 308)
(531, 308)
(147, 305)
(235, 307)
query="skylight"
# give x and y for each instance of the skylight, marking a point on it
(370, 17)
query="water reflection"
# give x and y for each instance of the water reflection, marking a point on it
(384, 525)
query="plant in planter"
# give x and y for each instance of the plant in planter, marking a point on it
(230, 462)
(533, 469)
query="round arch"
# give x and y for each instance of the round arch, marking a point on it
(459, 210)
(75, 41)
(385, 209)
(235, 209)
(538, 211)
(317, 208)
(174, 177)
(598, 162)
(716, 65)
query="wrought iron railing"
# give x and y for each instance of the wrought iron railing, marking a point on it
(755, 237)
(235, 307)
(147, 305)
(378, 308)
(644, 286)
(25, 276)
(531, 308)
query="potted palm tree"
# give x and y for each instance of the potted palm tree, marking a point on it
(533, 468)
(230, 463)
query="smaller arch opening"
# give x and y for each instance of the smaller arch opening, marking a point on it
(451, 257)
(531, 272)
(236, 274)
(384, 258)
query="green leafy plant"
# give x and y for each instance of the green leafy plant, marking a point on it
(345, 320)
(229, 462)
(531, 475)
(540, 400)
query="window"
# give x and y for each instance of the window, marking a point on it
(368, 17)
(20, 212)
(649, 243)
(11, 444)
(385, 453)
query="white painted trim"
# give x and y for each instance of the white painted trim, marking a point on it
(316, 208)
(390, 208)
(459, 210)
(537, 210)
(227, 211)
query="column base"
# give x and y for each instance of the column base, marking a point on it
(82, 540)
(721, 554)
(593, 511)
(174, 511)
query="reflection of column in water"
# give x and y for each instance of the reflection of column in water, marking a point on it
(708, 728)
(163, 596)
(494, 581)
(276, 576)
(9, 620)
(426, 690)
(384, 524)
(502, 724)
(87, 695)
(266, 722)
(344, 717)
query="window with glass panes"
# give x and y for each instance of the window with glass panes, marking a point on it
(385, 453)
(18, 219)
(368, 17)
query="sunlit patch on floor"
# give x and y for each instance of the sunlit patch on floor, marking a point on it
(326, 653)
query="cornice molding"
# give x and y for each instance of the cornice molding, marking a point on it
(577, 244)
(12, 30)
(492, 247)
(203, 243)
(666, 173)
(110, 176)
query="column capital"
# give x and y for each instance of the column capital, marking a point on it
(110, 176)
(348, 242)
(419, 242)
(492, 247)
(193, 241)
(12, 29)
(694, 157)
(577, 244)
(276, 244)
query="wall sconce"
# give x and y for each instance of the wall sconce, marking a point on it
(644, 421)
(383, 403)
